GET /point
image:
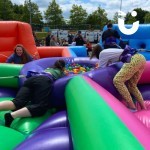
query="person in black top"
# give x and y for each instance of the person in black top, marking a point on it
(47, 39)
(79, 39)
(109, 37)
(33, 98)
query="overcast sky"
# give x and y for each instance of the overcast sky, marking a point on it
(110, 6)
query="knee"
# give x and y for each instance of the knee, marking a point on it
(131, 85)
(37, 111)
(116, 81)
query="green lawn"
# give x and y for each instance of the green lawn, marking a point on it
(41, 35)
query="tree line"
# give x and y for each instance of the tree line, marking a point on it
(52, 16)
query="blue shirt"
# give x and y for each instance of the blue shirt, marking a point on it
(16, 59)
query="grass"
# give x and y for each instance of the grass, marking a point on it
(41, 35)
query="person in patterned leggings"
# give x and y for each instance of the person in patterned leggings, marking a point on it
(130, 74)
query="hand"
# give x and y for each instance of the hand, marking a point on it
(96, 65)
(31, 73)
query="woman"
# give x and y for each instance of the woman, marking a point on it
(127, 78)
(88, 46)
(130, 72)
(106, 56)
(53, 41)
(33, 98)
(20, 55)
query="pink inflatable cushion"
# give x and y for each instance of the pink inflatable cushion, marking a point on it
(144, 115)
(145, 76)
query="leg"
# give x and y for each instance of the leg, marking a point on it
(24, 95)
(119, 82)
(9, 117)
(23, 112)
(126, 73)
(7, 105)
(123, 91)
(132, 86)
(41, 96)
(21, 99)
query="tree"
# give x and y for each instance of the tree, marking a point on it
(18, 11)
(98, 17)
(140, 16)
(115, 18)
(147, 18)
(6, 10)
(53, 14)
(129, 19)
(78, 15)
(31, 11)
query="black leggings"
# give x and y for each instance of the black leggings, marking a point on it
(34, 95)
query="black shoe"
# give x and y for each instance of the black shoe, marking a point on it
(8, 119)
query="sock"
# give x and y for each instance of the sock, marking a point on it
(8, 119)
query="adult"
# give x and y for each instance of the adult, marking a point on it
(47, 39)
(32, 99)
(37, 41)
(79, 39)
(88, 47)
(53, 41)
(106, 56)
(109, 37)
(20, 55)
(127, 78)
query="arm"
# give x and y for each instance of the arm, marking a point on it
(10, 59)
(30, 58)
(117, 35)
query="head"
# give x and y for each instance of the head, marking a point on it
(19, 50)
(79, 32)
(109, 25)
(95, 51)
(49, 33)
(60, 64)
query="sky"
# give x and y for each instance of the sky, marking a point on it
(110, 6)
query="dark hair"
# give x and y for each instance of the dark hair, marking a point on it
(25, 55)
(109, 25)
(79, 32)
(60, 64)
(95, 51)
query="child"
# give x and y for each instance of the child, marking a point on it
(106, 56)
(130, 74)
(36, 90)
(20, 55)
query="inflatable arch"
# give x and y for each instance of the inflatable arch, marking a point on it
(89, 119)
(15, 32)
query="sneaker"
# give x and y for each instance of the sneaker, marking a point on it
(133, 110)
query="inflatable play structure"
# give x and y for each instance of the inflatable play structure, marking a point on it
(15, 32)
(86, 112)
(139, 40)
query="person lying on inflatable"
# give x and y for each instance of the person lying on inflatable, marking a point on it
(32, 99)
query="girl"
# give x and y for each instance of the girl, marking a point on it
(33, 98)
(20, 55)
(127, 78)
(106, 56)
